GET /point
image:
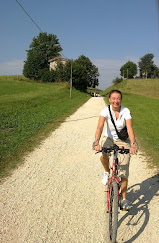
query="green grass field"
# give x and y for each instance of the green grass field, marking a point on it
(142, 98)
(28, 112)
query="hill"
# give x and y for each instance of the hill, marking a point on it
(145, 87)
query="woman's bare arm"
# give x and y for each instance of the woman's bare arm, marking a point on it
(133, 147)
(98, 133)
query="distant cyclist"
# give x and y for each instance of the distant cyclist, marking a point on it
(121, 116)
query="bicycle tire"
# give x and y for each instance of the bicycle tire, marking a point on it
(113, 211)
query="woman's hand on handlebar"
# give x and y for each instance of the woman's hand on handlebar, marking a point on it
(97, 148)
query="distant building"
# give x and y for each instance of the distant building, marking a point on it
(54, 62)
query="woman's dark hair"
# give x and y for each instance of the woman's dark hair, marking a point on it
(115, 91)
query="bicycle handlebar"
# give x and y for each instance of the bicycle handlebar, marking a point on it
(114, 148)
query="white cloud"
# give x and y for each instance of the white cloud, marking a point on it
(11, 68)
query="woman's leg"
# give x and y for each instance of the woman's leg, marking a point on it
(106, 142)
(105, 162)
(124, 204)
(124, 184)
(124, 160)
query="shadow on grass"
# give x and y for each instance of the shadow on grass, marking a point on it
(140, 195)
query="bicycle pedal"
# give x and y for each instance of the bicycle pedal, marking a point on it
(124, 209)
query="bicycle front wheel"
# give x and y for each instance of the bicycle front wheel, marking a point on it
(113, 211)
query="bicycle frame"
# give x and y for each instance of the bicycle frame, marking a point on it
(114, 168)
(114, 177)
(113, 190)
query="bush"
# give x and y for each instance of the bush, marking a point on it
(117, 80)
(48, 76)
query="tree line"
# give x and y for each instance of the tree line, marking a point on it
(147, 69)
(45, 47)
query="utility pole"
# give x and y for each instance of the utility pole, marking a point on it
(71, 82)
(127, 73)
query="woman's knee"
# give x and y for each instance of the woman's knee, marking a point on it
(104, 157)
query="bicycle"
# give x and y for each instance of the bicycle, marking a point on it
(113, 190)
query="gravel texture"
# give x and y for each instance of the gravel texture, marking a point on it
(56, 196)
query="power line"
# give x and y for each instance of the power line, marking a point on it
(29, 16)
(42, 31)
(12, 126)
(64, 55)
(35, 23)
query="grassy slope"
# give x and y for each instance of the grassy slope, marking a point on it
(29, 111)
(145, 87)
(142, 97)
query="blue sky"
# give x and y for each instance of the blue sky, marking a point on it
(109, 32)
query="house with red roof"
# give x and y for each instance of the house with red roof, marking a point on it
(54, 62)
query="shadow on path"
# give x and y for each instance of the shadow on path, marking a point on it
(140, 195)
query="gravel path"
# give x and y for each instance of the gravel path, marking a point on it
(56, 196)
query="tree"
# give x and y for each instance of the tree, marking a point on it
(117, 80)
(63, 71)
(49, 76)
(157, 72)
(84, 73)
(33, 65)
(128, 70)
(146, 66)
(93, 77)
(43, 47)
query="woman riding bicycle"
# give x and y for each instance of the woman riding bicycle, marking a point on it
(121, 116)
